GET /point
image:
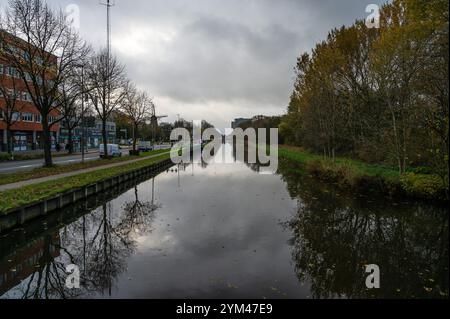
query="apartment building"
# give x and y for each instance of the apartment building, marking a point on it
(27, 131)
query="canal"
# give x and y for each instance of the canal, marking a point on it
(225, 231)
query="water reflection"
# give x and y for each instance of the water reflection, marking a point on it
(336, 235)
(224, 231)
(99, 243)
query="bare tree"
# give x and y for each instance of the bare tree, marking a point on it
(11, 110)
(43, 47)
(138, 108)
(71, 95)
(71, 111)
(107, 86)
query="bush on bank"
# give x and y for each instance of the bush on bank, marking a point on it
(362, 177)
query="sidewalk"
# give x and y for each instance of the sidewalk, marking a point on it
(78, 172)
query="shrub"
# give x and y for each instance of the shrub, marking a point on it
(4, 157)
(424, 186)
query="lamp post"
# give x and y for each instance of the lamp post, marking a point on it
(83, 93)
(82, 115)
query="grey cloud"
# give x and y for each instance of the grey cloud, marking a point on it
(238, 54)
(217, 60)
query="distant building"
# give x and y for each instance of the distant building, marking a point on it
(92, 132)
(237, 122)
(258, 118)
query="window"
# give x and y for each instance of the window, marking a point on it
(27, 117)
(1, 114)
(39, 60)
(28, 77)
(38, 118)
(11, 71)
(52, 119)
(15, 116)
(1, 69)
(26, 97)
(16, 95)
(26, 56)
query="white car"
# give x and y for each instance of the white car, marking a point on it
(113, 150)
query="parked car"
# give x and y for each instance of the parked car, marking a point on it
(145, 146)
(162, 147)
(113, 150)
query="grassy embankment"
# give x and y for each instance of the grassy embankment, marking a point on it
(362, 177)
(34, 193)
(5, 157)
(61, 169)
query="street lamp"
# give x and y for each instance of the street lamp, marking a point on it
(82, 140)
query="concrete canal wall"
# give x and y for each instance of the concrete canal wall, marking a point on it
(20, 216)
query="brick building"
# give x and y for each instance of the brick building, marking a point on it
(27, 130)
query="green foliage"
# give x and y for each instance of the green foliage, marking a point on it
(362, 177)
(379, 95)
(424, 186)
(4, 157)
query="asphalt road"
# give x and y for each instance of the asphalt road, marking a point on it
(21, 166)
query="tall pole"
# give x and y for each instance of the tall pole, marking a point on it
(108, 4)
(108, 27)
(82, 115)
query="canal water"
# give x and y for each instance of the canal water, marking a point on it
(226, 231)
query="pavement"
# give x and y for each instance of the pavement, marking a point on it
(28, 165)
(59, 176)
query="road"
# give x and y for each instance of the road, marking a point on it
(21, 166)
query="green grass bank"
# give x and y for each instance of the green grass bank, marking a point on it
(16, 198)
(61, 169)
(362, 177)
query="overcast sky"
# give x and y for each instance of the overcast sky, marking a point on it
(215, 59)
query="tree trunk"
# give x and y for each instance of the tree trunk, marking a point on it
(8, 139)
(70, 140)
(47, 142)
(396, 140)
(105, 138)
(135, 128)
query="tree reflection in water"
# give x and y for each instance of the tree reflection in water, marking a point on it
(99, 243)
(335, 236)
